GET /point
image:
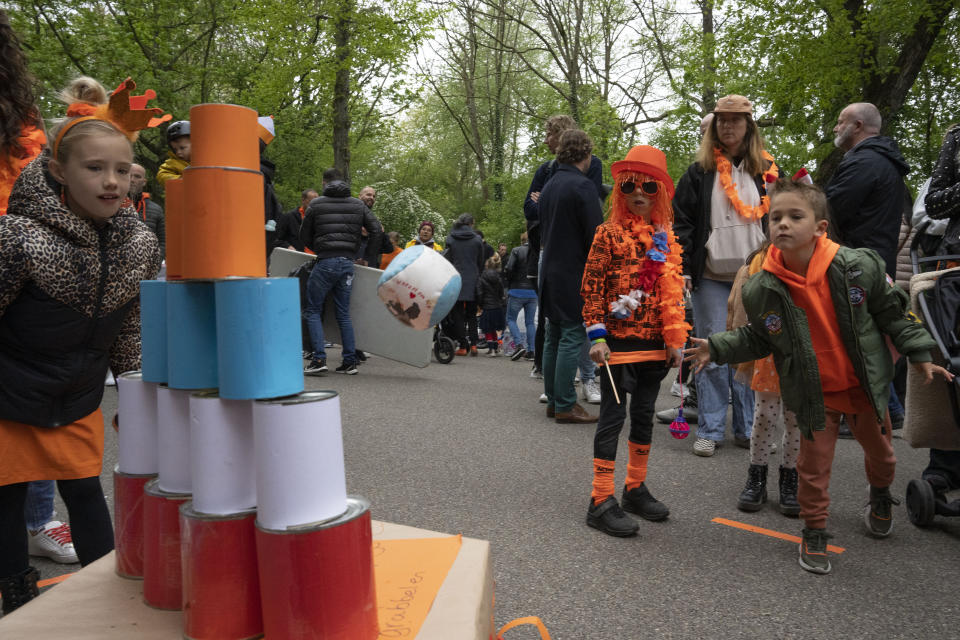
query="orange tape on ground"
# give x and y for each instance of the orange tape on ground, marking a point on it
(770, 532)
(50, 581)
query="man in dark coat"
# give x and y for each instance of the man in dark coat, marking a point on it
(288, 227)
(569, 215)
(465, 252)
(867, 194)
(149, 212)
(332, 229)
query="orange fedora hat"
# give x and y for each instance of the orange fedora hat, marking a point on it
(645, 159)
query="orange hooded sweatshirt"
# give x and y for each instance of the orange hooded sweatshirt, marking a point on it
(812, 294)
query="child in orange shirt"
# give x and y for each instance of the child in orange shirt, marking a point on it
(823, 310)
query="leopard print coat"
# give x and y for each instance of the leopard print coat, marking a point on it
(69, 301)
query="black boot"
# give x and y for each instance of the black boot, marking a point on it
(642, 503)
(19, 589)
(788, 492)
(755, 493)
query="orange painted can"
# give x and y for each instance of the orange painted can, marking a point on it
(224, 214)
(316, 581)
(162, 582)
(128, 522)
(224, 135)
(175, 216)
(221, 588)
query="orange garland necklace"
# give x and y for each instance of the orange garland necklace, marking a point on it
(724, 169)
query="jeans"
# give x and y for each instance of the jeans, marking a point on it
(588, 368)
(38, 510)
(715, 383)
(331, 275)
(529, 306)
(561, 350)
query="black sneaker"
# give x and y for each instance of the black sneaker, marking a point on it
(610, 518)
(529, 355)
(877, 515)
(349, 368)
(361, 356)
(843, 430)
(640, 501)
(315, 367)
(813, 551)
(517, 354)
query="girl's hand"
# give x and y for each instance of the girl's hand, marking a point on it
(698, 354)
(927, 369)
(600, 353)
(674, 358)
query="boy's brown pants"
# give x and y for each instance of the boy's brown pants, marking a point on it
(816, 458)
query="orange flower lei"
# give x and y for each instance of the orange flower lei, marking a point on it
(723, 172)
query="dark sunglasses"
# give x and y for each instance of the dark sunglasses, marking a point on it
(650, 188)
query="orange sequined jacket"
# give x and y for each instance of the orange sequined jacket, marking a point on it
(611, 271)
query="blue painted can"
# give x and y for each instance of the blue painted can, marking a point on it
(153, 330)
(191, 335)
(258, 338)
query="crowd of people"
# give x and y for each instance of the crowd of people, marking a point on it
(736, 264)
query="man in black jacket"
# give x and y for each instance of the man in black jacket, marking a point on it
(288, 227)
(867, 194)
(332, 229)
(149, 212)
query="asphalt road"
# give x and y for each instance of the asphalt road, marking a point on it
(466, 448)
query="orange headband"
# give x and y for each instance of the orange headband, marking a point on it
(128, 114)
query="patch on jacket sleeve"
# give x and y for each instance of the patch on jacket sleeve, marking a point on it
(857, 296)
(854, 272)
(773, 323)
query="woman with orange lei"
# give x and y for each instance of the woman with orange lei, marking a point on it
(720, 218)
(633, 310)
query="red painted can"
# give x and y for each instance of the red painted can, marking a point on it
(221, 588)
(128, 522)
(316, 581)
(161, 547)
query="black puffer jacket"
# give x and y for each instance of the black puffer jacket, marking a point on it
(332, 223)
(868, 198)
(943, 197)
(490, 290)
(69, 302)
(465, 251)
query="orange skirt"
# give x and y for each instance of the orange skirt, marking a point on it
(60, 453)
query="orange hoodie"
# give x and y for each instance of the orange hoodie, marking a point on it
(812, 294)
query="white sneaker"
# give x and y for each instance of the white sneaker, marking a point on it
(591, 391)
(110, 380)
(543, 398)
(53, 541)
(704, 447)
(676, 387)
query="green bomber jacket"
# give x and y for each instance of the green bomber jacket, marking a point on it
(868, 307)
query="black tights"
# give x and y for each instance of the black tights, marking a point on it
(89, 523)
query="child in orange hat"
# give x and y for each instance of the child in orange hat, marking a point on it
(633, 309)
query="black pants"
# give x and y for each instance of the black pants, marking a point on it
(642, 381)
(463, 320)
(945, 464)
(538, 339)
(90, 523)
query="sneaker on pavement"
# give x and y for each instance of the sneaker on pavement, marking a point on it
(704, 447)
(349, 368)
(536, 373)
(517, 354)
(813, 551)
(529, 355)
(610, 518)
(640, 501)
(877, 515)
(676, 387)
(53, 541)
(308, 355)
(669, 415)
(591, 391)
(740, 441)
(543, 398)
(460, 352)
(315, 368)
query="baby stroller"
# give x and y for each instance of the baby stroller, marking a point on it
(936, 296)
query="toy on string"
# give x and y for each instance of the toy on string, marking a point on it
(679, 428)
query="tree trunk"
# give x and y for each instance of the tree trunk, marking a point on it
(709, 89)
(341, 88)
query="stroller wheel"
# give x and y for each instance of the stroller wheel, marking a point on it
(921, 503)
(443, 349)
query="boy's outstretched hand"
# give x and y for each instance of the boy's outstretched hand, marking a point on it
(927, 369)
(698, 354)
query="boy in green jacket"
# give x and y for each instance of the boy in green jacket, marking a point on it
(823, 310)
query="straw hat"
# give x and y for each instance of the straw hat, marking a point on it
(648, 160)
(734, 104)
